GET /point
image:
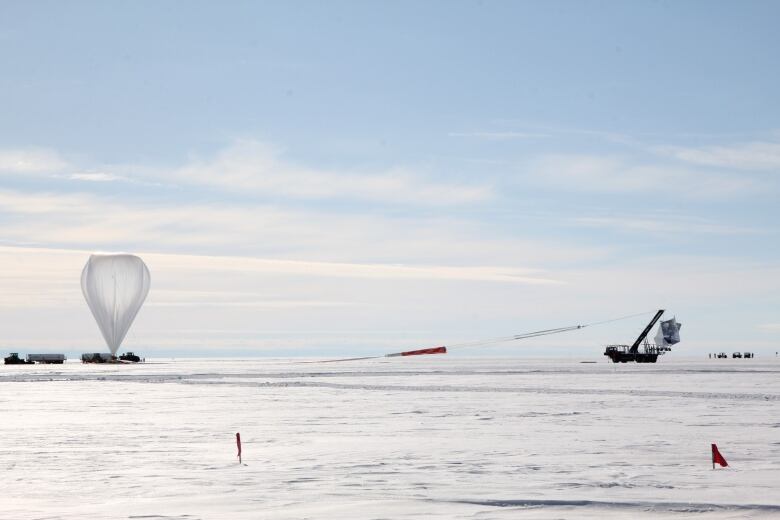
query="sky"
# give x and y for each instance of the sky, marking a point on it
(351, 178)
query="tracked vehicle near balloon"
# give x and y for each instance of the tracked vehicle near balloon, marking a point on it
(104, 357)
(129, 357)
(96, 357)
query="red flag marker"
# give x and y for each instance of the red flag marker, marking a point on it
(718, 458)
(238, 443)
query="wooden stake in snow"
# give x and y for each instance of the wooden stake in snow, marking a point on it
(238, 444)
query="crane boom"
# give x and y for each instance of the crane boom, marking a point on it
(635, 347)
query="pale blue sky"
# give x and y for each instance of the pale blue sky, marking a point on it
(419, 171)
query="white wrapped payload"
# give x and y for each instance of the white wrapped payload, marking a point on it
(668, 333)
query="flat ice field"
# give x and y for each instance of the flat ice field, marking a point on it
(431, 437)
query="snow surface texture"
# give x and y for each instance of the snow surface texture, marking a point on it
(429, 437)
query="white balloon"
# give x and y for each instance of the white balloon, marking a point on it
(115, 286)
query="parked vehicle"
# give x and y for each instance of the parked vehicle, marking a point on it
(47, 359)
(14, 359)
(129, 356)
(96, 357)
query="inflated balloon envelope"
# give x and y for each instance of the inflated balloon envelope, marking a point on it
(115, 286)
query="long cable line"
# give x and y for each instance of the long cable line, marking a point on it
(546, 332)
(486, 342)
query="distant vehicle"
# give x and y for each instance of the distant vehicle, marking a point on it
(129, 356)
(747, 355)
(736, 355)
(46, 359)
(105, 357)
(721, 355)
(14, 359)
(96, 357)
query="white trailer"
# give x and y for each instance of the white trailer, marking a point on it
(47, 359)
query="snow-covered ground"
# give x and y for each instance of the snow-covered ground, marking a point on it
(429, 437)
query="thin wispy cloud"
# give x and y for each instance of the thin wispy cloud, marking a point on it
(753, 156)
(48, 277)
(250, 167)
(96, 177)
(84, 220)
(15, 203)
(500, 136)
(561, 132)
(255, 167)
(31, 161)
(258, 304)
(664, 224)
(358, 270)
(615, 174)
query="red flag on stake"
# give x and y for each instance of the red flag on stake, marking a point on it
(238, 444)
(718, 458)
